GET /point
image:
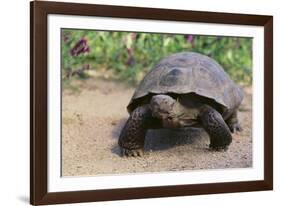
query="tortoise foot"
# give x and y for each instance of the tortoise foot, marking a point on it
(219, 148)
(132, 152)
(236, 127)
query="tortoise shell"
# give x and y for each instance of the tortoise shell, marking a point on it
(185, 73)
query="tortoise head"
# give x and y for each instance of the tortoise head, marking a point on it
(162, 107)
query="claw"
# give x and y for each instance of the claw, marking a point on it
(131, 153)
(140, 152)
(219, 148)
(225, 149)
(128, 153)
(236, 128)
(134, 152)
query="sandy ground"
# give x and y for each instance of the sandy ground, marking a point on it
(92, 120)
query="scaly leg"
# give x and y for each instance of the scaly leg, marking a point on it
(214, 124)
(132, 137)
(233, 123)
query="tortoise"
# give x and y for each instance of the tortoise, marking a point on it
(185, 89)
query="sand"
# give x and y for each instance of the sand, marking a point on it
(93, 117)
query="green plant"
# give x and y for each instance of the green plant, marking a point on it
(128, 56)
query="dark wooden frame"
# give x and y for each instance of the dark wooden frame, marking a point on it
(38, 102)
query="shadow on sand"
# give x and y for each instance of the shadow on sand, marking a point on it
(161, 139)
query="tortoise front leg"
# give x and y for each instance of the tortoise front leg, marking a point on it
(132, 137)
(233, 123)
(214, 124)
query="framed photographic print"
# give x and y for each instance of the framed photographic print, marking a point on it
(131, 102)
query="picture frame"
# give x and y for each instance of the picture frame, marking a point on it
(39, 94)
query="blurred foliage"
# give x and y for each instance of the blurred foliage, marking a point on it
(129, 56)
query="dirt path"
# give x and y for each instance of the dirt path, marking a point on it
(92, 120)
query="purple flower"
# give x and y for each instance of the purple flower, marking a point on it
(131, 59)
(189, 38)
(80, 47)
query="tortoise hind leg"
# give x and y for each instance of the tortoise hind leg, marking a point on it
(214, 124)
(132, 137)
(233, 123)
